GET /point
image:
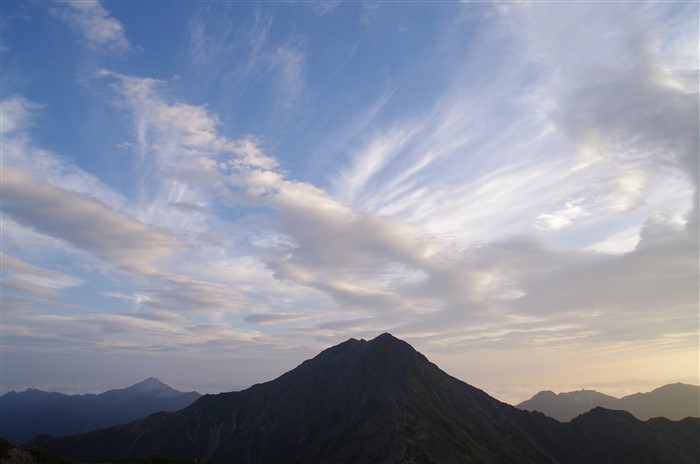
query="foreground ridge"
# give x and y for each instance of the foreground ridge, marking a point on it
(379, 401)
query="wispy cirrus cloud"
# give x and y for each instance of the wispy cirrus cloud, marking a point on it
(288, 63)
(217, 55)
(240, 62)
(100, 30)
(16, 113)
(323, 7)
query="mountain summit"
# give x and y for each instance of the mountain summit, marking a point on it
(154, 388)
(379, 401)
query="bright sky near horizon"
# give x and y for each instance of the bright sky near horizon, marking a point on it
(210, 193)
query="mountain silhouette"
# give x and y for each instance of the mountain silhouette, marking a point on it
(378, 401)
(32, 412)
(674, 401)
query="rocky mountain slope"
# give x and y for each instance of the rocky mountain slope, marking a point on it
(673, 401)
(32, 412)
(379, 401)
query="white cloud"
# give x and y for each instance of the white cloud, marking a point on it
(564, 216)
(615, 96)
(84, 222)
(275, 318)
(16, 114)
(168, 129)
(20, 275)
(621, 242)
(19, 150)
(370, 161)
(288, 64)
(323, 7)
(184, 293)
(94, 22)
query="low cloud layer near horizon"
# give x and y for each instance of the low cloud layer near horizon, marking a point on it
(218, 192)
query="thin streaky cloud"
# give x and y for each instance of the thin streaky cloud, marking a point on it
(84, 222)
(99, 29)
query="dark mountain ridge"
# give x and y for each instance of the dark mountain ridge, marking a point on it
(32, 412)
(674, 401)
(379, 401)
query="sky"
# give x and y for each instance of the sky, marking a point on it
(211, 193)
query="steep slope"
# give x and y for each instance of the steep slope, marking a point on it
(375, 401)
(675, 402)
(33, 412)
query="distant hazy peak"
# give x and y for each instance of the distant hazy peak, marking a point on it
(150, 383)
(671, 387)
(153, 387)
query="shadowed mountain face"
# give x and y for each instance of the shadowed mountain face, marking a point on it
(675, 402)
(32, 412)
(379, 401)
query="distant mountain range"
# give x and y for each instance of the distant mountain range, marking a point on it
(675, 401)
(26, 414)
(379, 401)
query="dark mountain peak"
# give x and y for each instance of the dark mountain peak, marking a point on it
(386, 337)
(370, 363)
(352, 350)
(600, 415)
(393, 353)
(386, 341)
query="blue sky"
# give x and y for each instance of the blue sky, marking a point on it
(210, 193)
